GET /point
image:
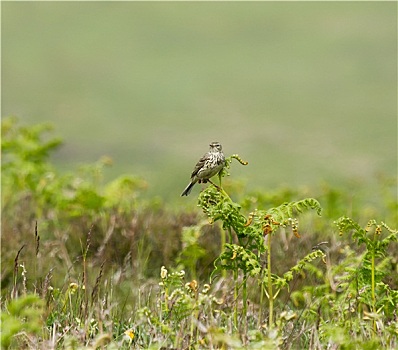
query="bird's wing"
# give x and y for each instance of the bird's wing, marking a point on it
(199, 165)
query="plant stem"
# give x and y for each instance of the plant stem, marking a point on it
(223, 241)
(270, 291)
(194, 316)
(236, 297)
(373, 286)
(166, 297)
(244, 297)
(260, 309)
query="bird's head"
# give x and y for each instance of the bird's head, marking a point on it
(215, 146)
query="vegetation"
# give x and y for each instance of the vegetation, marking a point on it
(93, 265)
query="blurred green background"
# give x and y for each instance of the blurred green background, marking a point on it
(305, 91)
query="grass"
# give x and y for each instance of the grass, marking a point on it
(93, 265)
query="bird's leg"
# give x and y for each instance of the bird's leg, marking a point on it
(218, 187)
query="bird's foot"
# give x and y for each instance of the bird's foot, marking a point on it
(216, 186)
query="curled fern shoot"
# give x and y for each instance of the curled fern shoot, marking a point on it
(239, 159)
(228, 162)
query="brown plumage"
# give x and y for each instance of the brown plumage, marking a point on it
(208, 166)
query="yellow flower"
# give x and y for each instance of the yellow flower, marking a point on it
(73, 287)
(130, 334)
(163, 273)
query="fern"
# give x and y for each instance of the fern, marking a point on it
(286, 210)
(254, 234)
(302, 264)
(370, 289)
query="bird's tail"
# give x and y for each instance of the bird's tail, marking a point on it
(188, 189)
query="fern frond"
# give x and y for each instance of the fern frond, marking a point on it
(228, 161)
(301, 265)
(239, 159)
(286, 210)
(345, 224)
(394, 232)
(235, 256)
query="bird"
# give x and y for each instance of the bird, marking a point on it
(209, 165)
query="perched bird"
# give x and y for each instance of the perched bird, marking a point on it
(207, 166)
